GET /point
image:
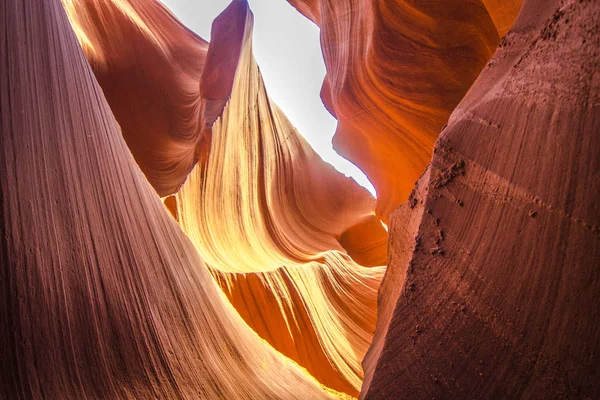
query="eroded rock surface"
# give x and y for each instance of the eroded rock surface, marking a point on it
(495, 292)
(268, 216)
(289, 239)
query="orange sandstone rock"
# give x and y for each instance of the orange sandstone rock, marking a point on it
(503, 13)
(163, 83)
(260, 199)
(271, 219)
(395, 71)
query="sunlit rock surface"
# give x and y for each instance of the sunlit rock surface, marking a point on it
(101, 293)
(395, 71)
(260, 200)
(267, 213)
(164, 86)
(493, 285)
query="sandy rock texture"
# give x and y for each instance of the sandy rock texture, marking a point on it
(165, 232)
(493, 287)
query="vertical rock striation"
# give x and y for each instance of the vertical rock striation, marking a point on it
(101, 293)
(290, 239)
(268, 216)
(265, 284)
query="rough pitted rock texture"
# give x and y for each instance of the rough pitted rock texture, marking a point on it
(496, 293)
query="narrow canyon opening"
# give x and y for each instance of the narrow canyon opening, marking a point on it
(169, 232)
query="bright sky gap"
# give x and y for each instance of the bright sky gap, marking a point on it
(287, 49)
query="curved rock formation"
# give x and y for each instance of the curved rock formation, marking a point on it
(503, 13)
(395, 71)
(101, 293)
(493, 285)
(268, 216)
(291, 218)
(163, 83)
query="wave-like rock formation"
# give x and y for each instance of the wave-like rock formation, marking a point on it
(269, 281)
(101, 293)
(268, 215)
(290, 239)
(395, 71)
(493, 285)
(163, 83)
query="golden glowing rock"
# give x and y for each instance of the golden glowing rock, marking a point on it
(290, 240)
(268, 215)
(260, 273)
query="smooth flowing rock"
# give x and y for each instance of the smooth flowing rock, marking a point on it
(395, 71)
(271, 220)
(164, 84)
(260, 200)
(101, 293)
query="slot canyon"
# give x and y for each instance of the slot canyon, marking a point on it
(168, 233)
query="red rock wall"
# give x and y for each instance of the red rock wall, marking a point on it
(498, 297)
(492, 289)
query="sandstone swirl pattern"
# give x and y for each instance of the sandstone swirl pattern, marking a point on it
(395, 71)
(167, 233)
(266, 213)
(282, 231)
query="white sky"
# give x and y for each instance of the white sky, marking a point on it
(287, 49)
